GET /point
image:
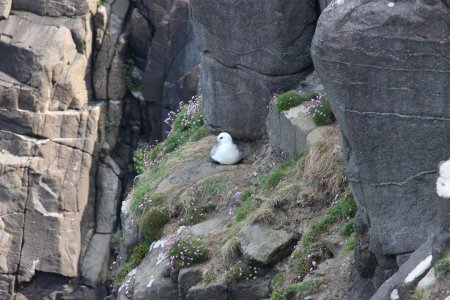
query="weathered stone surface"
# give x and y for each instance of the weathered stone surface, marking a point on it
(53, 287)
(111, 46)
(252, 289)
(130, 231)
(187, 278)
(333, 243)
(288, 131)
(5, 8)
(398, 280)
(6, 287)
(217, 291)
(48, 73)
(100, 24)
(392, 110)
(149, 283)
(238, 80)
(261, 245)
(56, 8)
(108, 192)
(140, 34)
(95, 263)
(172, 55)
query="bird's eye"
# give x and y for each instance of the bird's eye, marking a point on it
(221, 138)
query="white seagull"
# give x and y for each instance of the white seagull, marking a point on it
(443, 181)
(225, 152)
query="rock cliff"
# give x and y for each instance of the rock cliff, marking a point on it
(386, 69)
(250, 50)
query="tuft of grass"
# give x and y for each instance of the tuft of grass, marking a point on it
(310, 248)
(100, 3)
(137, 255)
(152, 221)
(324, 166)
(442, 267)
(240, 272)
(270, 181)
(304, 288)
(209, 276)
(351, 242)
(196, 215)
(288, 100)
(230, 250)
(246, 206)
(347, 228)
(277, 280)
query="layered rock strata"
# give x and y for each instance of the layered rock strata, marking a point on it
(54, 211)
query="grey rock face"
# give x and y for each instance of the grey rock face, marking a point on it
(205, 292)
(149, 282)
(5, 8)
(172, 55)
(250, 50)
(288, 131)
(56, 8)
(95, 264)
(261, 245)
(386, 73)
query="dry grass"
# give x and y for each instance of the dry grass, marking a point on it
(230, 251)
(324, 166)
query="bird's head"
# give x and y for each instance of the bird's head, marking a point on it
(224, 138)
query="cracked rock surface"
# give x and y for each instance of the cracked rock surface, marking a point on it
(250, 50)
(386, 70)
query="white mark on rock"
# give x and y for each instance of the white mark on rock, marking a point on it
(428, 280)
(161, 257)
(391, 4)
(150, 283)
(35, 263)
(394, 295)
(419, 269)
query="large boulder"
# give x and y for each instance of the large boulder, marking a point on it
(385, 68)
(249, 50)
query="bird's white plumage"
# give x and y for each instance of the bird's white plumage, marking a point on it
(443, 181)
(225, 151)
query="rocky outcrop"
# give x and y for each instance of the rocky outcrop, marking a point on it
(250, 50)
(385, 68)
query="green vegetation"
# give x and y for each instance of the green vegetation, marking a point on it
(442, 267)
(270, 181)
(320, 110)
(291, 99)
(350, 244)
(347, 228)
(304, 288)
(240, 272)
(277, 280)
(137, 255)
(152, 221)
(187, 125)
(100, 3)
(246, 206)
(196, 215)
(310, 249)
(288, 100)
(209, 277)
(186, 252)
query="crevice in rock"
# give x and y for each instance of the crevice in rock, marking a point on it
(388, 114)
